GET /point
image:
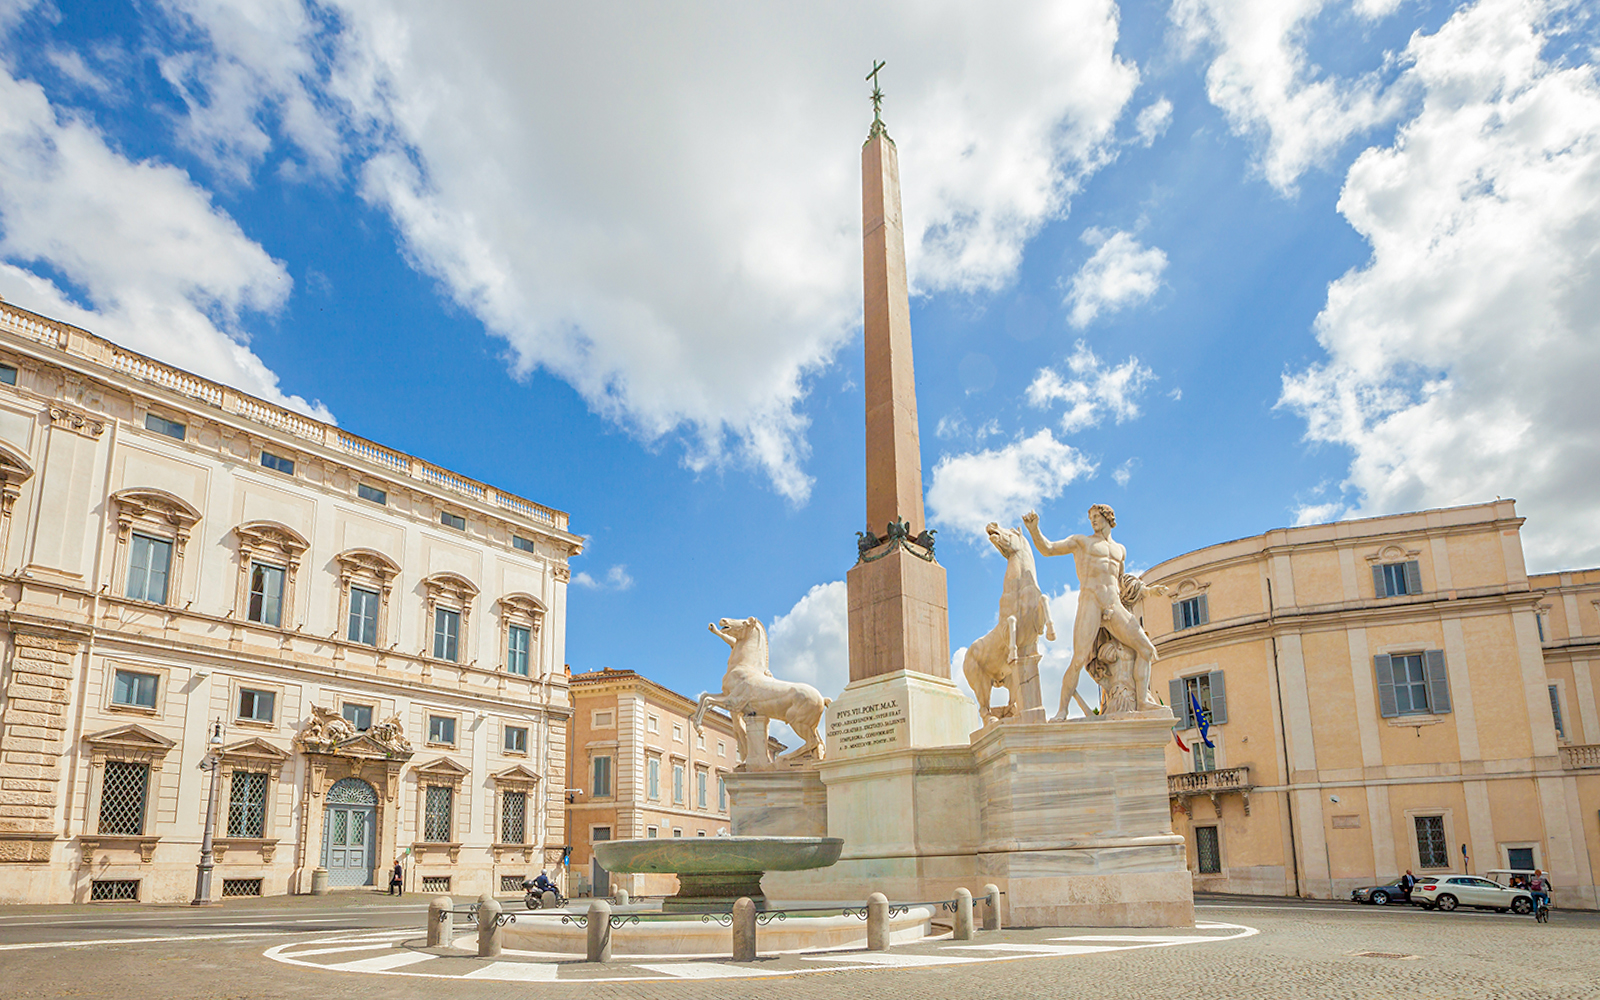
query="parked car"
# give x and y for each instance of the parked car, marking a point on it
(1446, 892)
(1382, 895)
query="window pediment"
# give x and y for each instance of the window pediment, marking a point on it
(152, 504)
(522, 604)
(369, 561)
(131, 742)
(270, 534)
(442, 771)
(451, 586)
(253, 750)
(15, 468)
(517, 774)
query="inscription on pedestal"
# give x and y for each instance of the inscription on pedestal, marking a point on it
(867, 727)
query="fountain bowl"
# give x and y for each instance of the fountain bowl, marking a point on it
(714, 871)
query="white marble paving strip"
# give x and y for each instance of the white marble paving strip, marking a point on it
(700, 970)
(895, 959)
(521, 972)
(369, 946)
(1140, 938)
(382, 963)
(1044, 949)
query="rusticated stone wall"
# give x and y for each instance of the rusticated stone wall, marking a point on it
(32, 739)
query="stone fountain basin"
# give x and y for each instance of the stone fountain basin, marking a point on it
(715, 871)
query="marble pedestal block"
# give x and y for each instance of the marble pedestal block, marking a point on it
(897, 711)
(791, 803)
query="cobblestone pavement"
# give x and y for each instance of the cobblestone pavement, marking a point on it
(1298, 950)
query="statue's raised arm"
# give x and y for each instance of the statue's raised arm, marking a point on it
(1046, 547)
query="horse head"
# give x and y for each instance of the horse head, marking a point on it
(1008, 541)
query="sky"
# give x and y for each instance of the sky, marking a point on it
(1226, 265)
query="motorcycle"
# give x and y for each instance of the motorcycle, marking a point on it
(533, 894)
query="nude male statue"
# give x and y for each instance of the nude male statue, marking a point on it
(1099, 562)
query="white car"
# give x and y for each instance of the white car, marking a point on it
(1446, 892)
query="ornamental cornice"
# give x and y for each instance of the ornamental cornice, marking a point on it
(75, 420)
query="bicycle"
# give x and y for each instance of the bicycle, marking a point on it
(1541, 911)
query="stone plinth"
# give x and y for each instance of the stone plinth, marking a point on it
(895, 712)
(789, 803)
(899, 615)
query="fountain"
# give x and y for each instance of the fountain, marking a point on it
(714, 871)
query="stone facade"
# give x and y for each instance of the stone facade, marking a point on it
(380, 639)
(1382, 697)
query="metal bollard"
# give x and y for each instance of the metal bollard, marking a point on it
(599, 931)
(744, 929)
(441, 922)
(622, 897)
(991, 911)
(489, 928)
(963, 928)
(877, 922)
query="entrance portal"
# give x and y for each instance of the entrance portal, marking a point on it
(349, 832)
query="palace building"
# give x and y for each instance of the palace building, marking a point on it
(369, 646)
(1382, 694)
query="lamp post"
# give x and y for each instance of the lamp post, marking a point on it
(566, 851)
(212, 763)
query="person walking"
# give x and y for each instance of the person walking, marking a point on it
(397, 879)
(1408, 882)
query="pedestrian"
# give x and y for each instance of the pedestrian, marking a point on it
(1539, 886)
(397, 879)
(1408, 882)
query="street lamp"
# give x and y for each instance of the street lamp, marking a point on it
(212, 763)
(566, 850)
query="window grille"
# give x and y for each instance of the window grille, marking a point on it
(1432, 851)
(241, 887)
(436, 819)
(103, 890)
(122, 798)
(247, 805)
(512, 883)
(435, 883)
(351, 792)
(1209, 848)
(513, 813)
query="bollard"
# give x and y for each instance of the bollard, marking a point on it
(963, 929)
(319, 881)
(877, 922)
(744, 929)
(441, 923)
(547, 900)
(489, 929)
(622, 897)
(991, 909)
(599, 931)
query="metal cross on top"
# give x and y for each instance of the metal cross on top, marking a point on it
(877, 100)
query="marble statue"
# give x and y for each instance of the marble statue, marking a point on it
(325, 731)
(1008, 656)
(748, 688)
(1106, 598)
(388, 734)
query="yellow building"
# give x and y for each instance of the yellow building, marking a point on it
(1384, 694)
(379, 639)
(645, 772)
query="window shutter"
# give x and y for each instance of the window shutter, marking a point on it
(1378, 588)
(1438, 681)
(1413, 578)
(1555, 711)
(1219, 699)
(1384, 668)
(1205, 613)
(1177, 615)
(1179, 702)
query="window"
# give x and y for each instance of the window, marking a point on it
(359, 716)
(604, 719)
(700, 789)
(513, 817)
(1205, 758)
(1432, 851)
(149, 561)
(1412, 683)
(652, 724)
(677, 783)
(652, 832)
(8, 375)
(677, 733)
(122, 798)
(1208, 847)
(247, 804)
(161, 425)
(1520, 857)
(446, 634)
(1555, 711)
(722, 794)
(518, 639)
(256, 706)
(1190, 613)
(442, 729)
(700, 833)
(677, 831)
(700, 740)
(1538, 620)
(134, 690)
(602, 777)
(1208, 689)
(516, 739)
(722, 749)
(277, 463)
(1396, 579)
(653, 780)
(523, 544)
(436, 813)
(450, 520)
(363, 616)
(372, 494)
(266, 594)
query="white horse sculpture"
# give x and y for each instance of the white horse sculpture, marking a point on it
(1000, 658)
(749, 688)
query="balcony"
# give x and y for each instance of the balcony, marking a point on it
(1580, 757)
(1213, 784)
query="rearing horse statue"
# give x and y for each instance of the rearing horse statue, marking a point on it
(749, 688)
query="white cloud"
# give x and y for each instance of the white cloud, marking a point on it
(1318, 513)
(159, 268)
(1462, 356)
(1001, 484)
(1124, 472)
(1122, 272)
(811, 642)
(1153, 121)
(660, 204)
(616, 578)
(1264, 83)
(1093, 391)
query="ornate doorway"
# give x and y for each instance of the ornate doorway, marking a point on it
(349, 833)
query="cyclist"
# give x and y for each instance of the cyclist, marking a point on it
(1539, 887)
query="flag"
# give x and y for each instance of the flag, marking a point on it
(1179, 740)
(1205, 724)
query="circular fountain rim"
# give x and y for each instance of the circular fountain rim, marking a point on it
(692, 855)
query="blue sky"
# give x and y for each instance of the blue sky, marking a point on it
(1224, 264)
